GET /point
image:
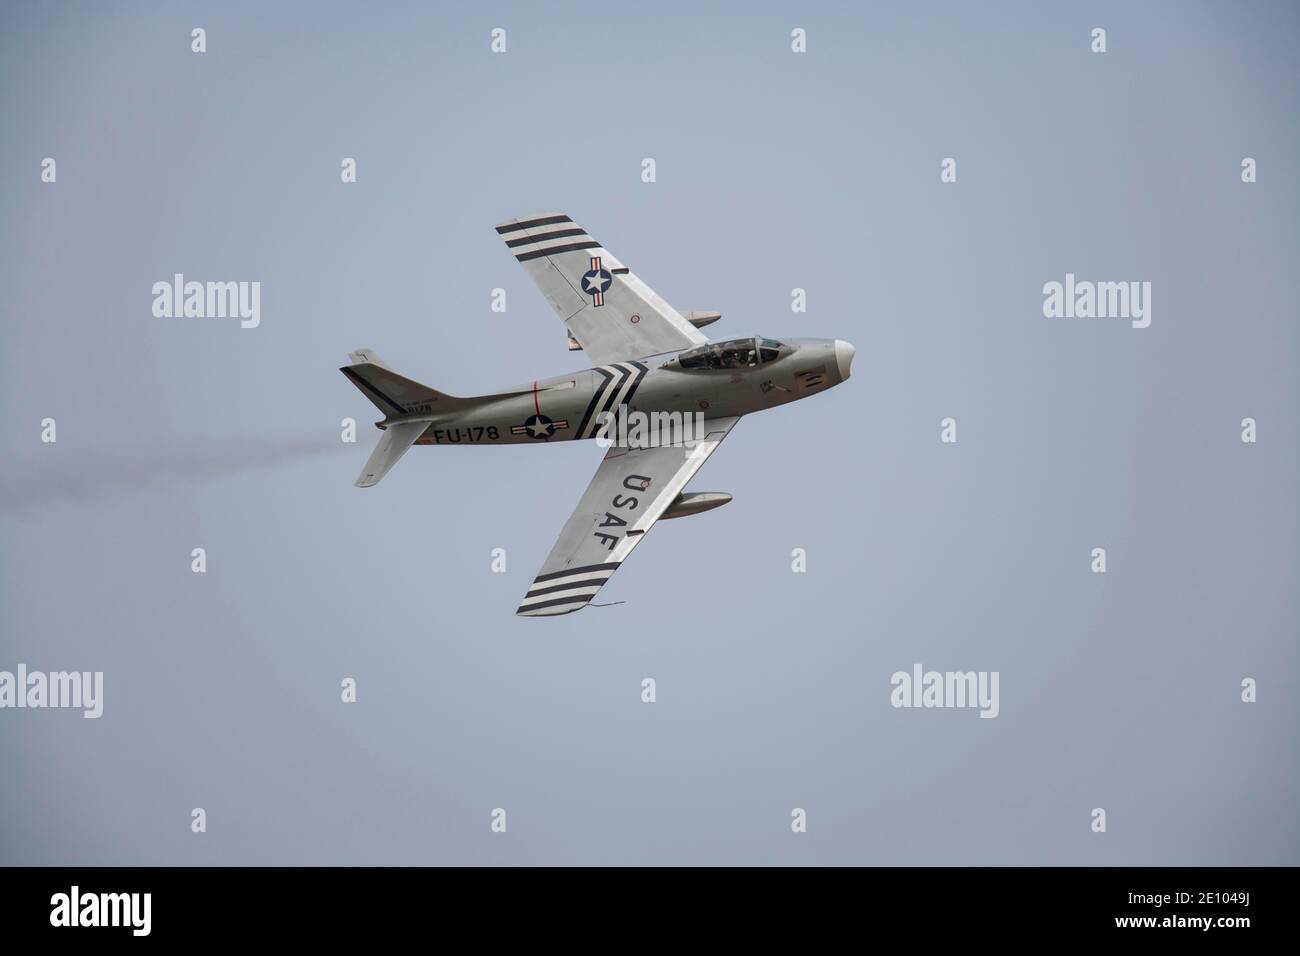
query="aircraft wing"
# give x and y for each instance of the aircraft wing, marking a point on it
(631, 489)
(613, 315)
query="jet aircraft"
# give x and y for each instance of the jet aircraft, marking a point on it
(653, 367)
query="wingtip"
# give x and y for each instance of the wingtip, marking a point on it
(546, 612)
(537, 218)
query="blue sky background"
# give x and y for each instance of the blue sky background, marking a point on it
(775, 171)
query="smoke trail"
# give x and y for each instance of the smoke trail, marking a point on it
(86, 475)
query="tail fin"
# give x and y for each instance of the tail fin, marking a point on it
(396, 397)
(391, 393)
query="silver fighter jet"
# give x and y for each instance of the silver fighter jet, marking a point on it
(660, 399)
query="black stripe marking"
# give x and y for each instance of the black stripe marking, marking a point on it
(544, 221)
(366, 387)
(587, 583)
(619, 272)
(525, 257)
(534, 607)
(591, 409)
(615, 388)
(550, 235)
(608, 566)
(641, 374)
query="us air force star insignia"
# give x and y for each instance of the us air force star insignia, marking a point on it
(596, 281)
(538, 426)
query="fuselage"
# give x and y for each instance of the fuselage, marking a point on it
(721, 379)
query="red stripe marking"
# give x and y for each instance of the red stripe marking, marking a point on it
(536, 407)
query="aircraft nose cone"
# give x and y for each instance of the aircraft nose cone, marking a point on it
(843, 357)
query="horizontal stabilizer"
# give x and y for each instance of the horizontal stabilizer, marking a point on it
(392, 446)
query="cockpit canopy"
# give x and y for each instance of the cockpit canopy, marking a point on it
(737, 353)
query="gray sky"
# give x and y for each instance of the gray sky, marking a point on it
(775, 170)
